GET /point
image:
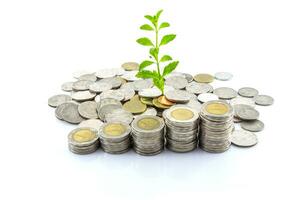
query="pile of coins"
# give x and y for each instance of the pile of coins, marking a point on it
(83, 140)
(181, 128)
(148, 135)
(114, 137)
(216, 126)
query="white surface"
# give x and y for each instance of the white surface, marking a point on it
(43, 42)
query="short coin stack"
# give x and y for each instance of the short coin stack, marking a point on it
(148, 135)
(115, 137)
(181, 128)
(83, 140)
(216, 126)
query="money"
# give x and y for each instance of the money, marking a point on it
(223, 76)
(148, 135)
(83, 140)
(188, 77)
(91, 123)
(242, 100)
(106, 73)
(150, 92)
(149, 111)
(246, 112)
(59, 109)
(56, 100)
(164, 101)
(177, 82)
(130, 66)
(128, 93)
(253, 126)
(205, 97)
(115, 82)
(81, 85)
(181, 128)
(157, 104)
(204, 78)
(243, 138)
(119, 115)
(147, 101)
(98, 87)
(114, 94)
(67, 86)
(134, 105)
(142, 84)
(198, 88)
(225, 93)
(88, 109)
(83, 95)
(194, 104)
(216, 126)
(178, 96)
(107, 105)
(88, 77)
(70, 113)
(248, 92)
(115, 137)
(79, 73)
(264, 100)
(130, 75)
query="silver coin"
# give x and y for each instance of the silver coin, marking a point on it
(246, 112)
(150, 92)
(67, 86)
(59, 109)
(115, 94)
(253, 126)
(223, 76)
(248, 92)
(129, 85)
(179, 96)
(56, 100)
(242, 100)
(70, 113)
(106, 73)
(188, 77)
(142, 84)
(81, 85)
(88, 77)
(243, 138)
(149, 111)
(114, 81)
(175, 73)
(88, 110)
(198, 88)
(91, 123)
(98, 87)
(128, 93)
(264, 100)
(225, 93)
(119, 115)
(130, 75)
(177, 82)
(83, 95)
(205, 97)
(194, 104)
(79, 73)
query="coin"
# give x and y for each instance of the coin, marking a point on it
(88, 77)
(194, 104)
(134, 105)
(223, 76)
(115, 94)
(106, 73)
(157, 104)
(264, 100)
(98, 87)
(67, 86)
(246, 112)
(83, 95)
(188, 77)
(91, 123)
(177, 82)
(205, 97)
(114, 81)
(225, 93)
(253, 126)
(163, 100)
(128, 93)
(81, 85)
(88, 109)
(107, 105)
(149, 111)
(130, 75)
(129, 66)
(243, 138)
(150, 92)
(119, 115)
(59, 110)
(142, 84)
(198, 88)
(248, 92)
(79, 73)
(56, 100)
(178, 96)
(70, 113)
(203, 78)
(242, 100)
(147, 101)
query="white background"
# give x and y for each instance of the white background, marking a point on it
(43, 42)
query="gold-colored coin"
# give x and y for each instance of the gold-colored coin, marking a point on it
(163, 100)
(159, 105)
(134, 105)
(147, 101)
(130, 66)
(148, 124)
(84, 135)
(182, 114)
(204, 78)
(216, 108)
(114, 129)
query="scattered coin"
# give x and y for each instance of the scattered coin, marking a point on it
(91, 123)
(115, 94)
(106, 73)
(67, 86)
(177, 82)
(142, 84)
(88, 109)
(243, 138)
(70, 113)
(134, 105)
(115, 82)
(83, 95)
(163, 100)
(248, 92)
(98, 87)
(264, 100)
(223, 76)
(205, 97)
(225, 93)
(204, 78)
(56, 100)
(130, 75)
(157, 104)
(81, 85)
(253, 126)
(198, 88)
(128, 93)
(178, 96)
(88, 77)
(107, 105)
(119, 115)
(149, 111)
(147, 101)
(130, 66)
(188, 77)
(242, 100)
(150, 92)
(59, 110)
(246, 112)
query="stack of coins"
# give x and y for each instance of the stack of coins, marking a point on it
(115, 137)
(181, 128)
(216, 126)
(83, 140)
(148, 134)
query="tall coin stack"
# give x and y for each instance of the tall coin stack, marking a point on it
(181, 128)
(148, 134)
(216, 126)
(115, 137)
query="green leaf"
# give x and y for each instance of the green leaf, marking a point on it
(146, 27)
(150, 18)
(159, 83)
(165, 58)
(144, 41)
(164, 25)
(170, 67)
(145, 74)
(145, 64)
(166, 39)
(154, 52)
(158, 14)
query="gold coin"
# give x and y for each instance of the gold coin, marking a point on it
(134, 105)
(163, 100)
(182, 114)
(130, 66)
(146, 100)
(83, 135)
(159, 105)
(114, 129)
(148, 123)
(204, 78)
(216, 108)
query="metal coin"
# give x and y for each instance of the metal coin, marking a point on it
(83, 95)
(177, 82)
(130, 66)
(67, 86)
(119, 115)
(248, 92)
(134, 105)
(188, 77)
(198, 88)
(203, 78)
(242, 100)
(194, 104)
(142, 84)
(147, 101)
(130, 75)
(70, 113)
(114, 81)
(59, 110)
(128, 93)
(179, 96)
(91, 123)
(149, 111)
(243, 138)
(98, 87)
(81, 85)
(223, 76)
(253, 126)
(157, 104)
(150, 92)
(56, 100)
(88, 77)
(163, 100)
(205, 97)
(106, 73)
(82, 136)
(264, 100)
(246, 112)
(88, 109)
(115, 94)
(225, 93)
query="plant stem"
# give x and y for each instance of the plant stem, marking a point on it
(156, 47)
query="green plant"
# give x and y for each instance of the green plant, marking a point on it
(156, 75)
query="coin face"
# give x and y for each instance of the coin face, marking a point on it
(88, 109)
(163, 100)
(217, 108)
(157, 104)
(106, 73)
(70, 113)
(243, 138)
(147, 101)
(264, 100)
(67, 86)
(182, 114)
(179, 96)
(253, 126)
(83, 95)
(114, 81)
(115, 94)
(83, 135)
(91, 123)
(248, 92)
(148, 123)
(205, 97)
(56, 100)
(142, 84)
(129, 66)
(98, 87)
(225, 93)
(204, 78)
(198, 88)
(150, 92)
(177, 82)
(223, 76)
(81, 85)
(246, 112)
(114, 129)
(134, 105)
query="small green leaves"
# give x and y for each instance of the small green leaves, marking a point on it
(158, 15)
(145, 74)
(170, 67)
(154, 52)
(145, 64)
(159, 83)
(164, 25)
(166, 39)
(146, 27)
(165, 58)
(145, 41)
